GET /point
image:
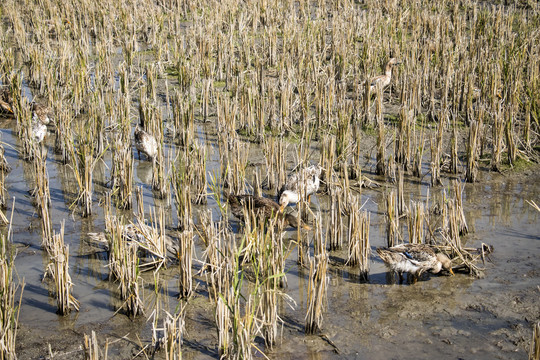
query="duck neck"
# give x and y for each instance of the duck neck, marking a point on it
(141, 117)
(388, 70)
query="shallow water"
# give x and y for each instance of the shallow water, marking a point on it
(440, 316)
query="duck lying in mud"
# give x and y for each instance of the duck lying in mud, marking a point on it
(262, 206)
(294, 187)
(414, 259)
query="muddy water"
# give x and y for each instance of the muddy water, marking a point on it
(439, 316)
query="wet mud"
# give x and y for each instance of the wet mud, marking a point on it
(450, 317)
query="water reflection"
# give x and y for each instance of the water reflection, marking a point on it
(144, 172)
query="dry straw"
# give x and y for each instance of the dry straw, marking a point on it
(9, 310)
(359, 250)
(317, 284)
(534, 351)
(58, 270)
(92, 349)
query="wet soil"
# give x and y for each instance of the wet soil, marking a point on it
(450, 317)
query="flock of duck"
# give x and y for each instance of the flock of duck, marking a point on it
(414, 259)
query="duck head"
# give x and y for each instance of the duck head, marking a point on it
(287, 197)
(443, 263)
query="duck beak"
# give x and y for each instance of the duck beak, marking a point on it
(306, 227)
(6, 106)
(451, 271)
(281, 208)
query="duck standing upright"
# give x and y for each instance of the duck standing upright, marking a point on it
(414, 259)
(305, 181)
(145, 143)
(383, 80)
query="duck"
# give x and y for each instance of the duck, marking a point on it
(414, 259)
(39, 130)
(383, 80)
(145, 143)
(41, 113)
(291, 192)
(268, 208)
(6, 100)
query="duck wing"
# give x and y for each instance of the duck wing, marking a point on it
(260, 204)
(417, 253)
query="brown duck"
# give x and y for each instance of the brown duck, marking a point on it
(414, 259)
(268, 208)
(6, 100)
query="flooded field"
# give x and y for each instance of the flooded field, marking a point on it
(420, 122)
(457, 316)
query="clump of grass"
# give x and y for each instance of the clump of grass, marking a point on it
(42, 198)
(392, 219)
(92, 348)
(183, 119)
(436, 152)
(454, 159)
(123, 265)
(534, 351)
(359, 249)
(181, 194)
(335, 220)
(3, 201)
(9, 310)
(401, 205)
(416, 221)
(30, 143)
(151, 238)
(185, 260)
(472, 152)
(63, 133)
(122, 161)
(217, 266)
(381, 145)
(418, 155)
(4, 165)
(58, 269)
(274, 155)
(317, 283)
(269, 265)
(172, 334)
(497, 135)
(316, 297)
(404, 140)
(84, 159)
(223, 324)
(196, 172)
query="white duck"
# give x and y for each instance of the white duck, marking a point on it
(293, 189)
